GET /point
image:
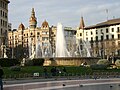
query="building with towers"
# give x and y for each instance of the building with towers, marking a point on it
(21, 37)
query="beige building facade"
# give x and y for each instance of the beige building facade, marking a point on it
(104, 37)
(24, 36)
(46, 34)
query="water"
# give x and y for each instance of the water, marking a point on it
(82, 49)
(61, 50)
(30, 47)
(87, 47)
(48, 51)
(38, 49)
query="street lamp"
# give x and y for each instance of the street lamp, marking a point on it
(103, 53)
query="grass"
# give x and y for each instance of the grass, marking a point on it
(27, 71)
(39, 69)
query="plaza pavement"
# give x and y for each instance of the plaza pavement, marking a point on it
(54, 83)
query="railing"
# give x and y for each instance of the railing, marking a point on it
(66, 75)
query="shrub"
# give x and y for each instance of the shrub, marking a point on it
(98, 67)
(34, 62)
(38, 61)
(15, 68)
(29, 63)
(103, 62)
(117, 62)
(7, 62)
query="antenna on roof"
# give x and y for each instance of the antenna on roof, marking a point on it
(113, 17)
(106, 13)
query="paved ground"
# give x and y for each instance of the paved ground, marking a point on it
(52, 83)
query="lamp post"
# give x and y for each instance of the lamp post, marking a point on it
(103, 47)
(112, 57)
(12, 45)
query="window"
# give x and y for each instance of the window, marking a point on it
(86, 39)
(118, 29)
(112, 29)
(118, 36)
(38, 33)
(119, 43)
(80, 34)
(112, 36)
(10, 43)
(96, 38)
(101, 37)
(91, 32)
(45, 38)
(91, 38)
(106, 30)
(96, 31)
(1, 31)
(107, 37)
(31, 39)
(1, 13)
(101, 31)
(1, 22)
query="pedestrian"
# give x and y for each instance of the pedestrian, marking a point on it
(64, 71)
(1, 74)
(45, 72)
(53, 71)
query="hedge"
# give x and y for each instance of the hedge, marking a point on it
(34, 62)
(7, 62)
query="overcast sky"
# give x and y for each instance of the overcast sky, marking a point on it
(68, 12)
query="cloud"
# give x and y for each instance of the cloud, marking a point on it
(67, 12)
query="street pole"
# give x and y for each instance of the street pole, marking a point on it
(103, 47)
(12, 45)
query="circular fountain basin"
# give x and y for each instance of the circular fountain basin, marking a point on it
(70, 61)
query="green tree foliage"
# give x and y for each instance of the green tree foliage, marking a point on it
(117, 62)
(103, 62)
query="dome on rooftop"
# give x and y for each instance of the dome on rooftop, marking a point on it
(45, 24)
(21, 26)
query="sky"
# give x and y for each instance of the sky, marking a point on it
(67, 12)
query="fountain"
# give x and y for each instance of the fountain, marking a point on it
(75, 57)
(48, 51)
(31, 50)
(84, 48)
(61, 50)
(78, 54)
(38, 49)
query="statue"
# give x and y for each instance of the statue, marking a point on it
(33, 53)
(3, 49)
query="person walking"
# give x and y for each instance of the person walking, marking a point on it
(64, 71)
(1, 74)
(45, 72)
